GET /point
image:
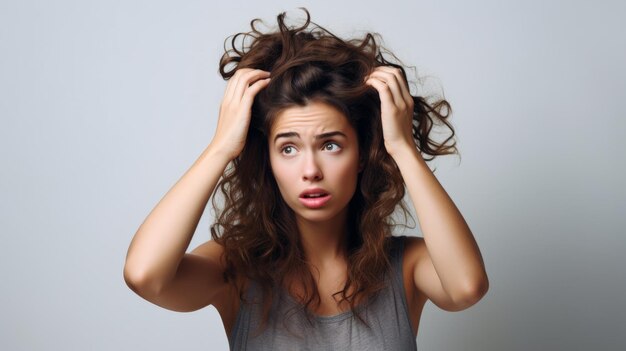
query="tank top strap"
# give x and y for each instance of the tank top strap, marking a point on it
(396, 254)
(397, 279)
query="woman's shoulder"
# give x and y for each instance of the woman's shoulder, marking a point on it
(215, 251)
(406, 243)
(409, 248)
(413, 246)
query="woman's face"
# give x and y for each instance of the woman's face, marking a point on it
(314, 149)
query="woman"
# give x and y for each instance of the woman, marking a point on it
(316, 140)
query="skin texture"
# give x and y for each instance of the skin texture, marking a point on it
(306, 161)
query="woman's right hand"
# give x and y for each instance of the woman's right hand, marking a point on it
(235, 110)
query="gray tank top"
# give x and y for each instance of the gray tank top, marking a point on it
(387, 314)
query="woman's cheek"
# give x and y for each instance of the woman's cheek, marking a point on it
(283, 175)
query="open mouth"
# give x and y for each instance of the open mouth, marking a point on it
(313, 196)
(314, 200)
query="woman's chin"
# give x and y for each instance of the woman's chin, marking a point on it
(317, 215)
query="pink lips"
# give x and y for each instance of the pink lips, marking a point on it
(314, 198)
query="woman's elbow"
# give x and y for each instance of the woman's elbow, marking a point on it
(472, 295)
(141, 282)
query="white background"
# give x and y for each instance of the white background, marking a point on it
(104, 105)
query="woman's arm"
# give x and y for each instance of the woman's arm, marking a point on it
(157, 267)
(450, 271)
(157, 249)
(451, 247)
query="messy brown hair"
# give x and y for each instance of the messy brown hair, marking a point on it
(256, 227)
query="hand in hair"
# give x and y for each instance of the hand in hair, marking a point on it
(396, 110)
(235, 110)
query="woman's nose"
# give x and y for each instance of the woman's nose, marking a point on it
(311, 169)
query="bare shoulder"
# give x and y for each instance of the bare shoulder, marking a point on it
(198, 281)
(210, 250)
(226, 300)
(214, 252)
(414, 248)
(426, 282)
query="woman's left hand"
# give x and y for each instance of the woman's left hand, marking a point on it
(396, 108)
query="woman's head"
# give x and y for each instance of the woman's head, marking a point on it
(314, 157)
(311, 67)
(322, 77)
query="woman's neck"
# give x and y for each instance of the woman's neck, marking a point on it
(325, 243)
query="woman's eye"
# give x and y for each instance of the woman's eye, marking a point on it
(287, 149)
(331, 147)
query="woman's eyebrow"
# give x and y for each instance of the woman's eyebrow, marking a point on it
(319, 136)
(330, 134)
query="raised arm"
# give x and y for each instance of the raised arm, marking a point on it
(157, 267)
(449, 270)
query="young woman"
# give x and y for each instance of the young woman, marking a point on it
(316, 141)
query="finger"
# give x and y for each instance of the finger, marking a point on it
(383, 90)
(232, 83)
(404, 87)
(251, 92)
(390, 79)
(246, 79)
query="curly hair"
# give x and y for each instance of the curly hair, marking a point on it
(256, 227)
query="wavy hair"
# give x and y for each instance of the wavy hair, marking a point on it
(255, 226)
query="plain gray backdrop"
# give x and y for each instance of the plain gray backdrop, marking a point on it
(105, 105)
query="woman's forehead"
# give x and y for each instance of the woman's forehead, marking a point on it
(315, 117)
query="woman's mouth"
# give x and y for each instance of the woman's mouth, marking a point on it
(314, 200)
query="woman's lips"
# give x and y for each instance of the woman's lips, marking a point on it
(314, 202)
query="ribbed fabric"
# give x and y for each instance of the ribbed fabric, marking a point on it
(387, 314)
